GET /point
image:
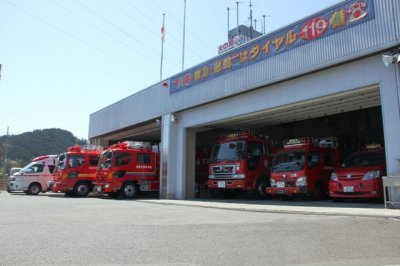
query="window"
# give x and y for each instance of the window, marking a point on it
(254, 149)
(329, 159)
(36, 168)
(143, 158)
(313, 159)
(51, 168)
(93, 160)
(62, 161)
(75, 161)
(105, 160)
(122, 159)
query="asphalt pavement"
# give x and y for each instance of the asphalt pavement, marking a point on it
(50, 229)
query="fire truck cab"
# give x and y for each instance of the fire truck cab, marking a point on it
(33, 178)
(303, 167)
(127, 168)
(76, 170)
(239, 162)
(360, 175)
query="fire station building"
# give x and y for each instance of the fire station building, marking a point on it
(334, 73)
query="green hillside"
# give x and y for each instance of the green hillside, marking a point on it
(24, 147)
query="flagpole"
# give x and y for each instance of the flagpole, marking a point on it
(183, 42)
(162, 45)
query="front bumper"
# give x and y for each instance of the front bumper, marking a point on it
(286, 191)
(347, 189)
(59, 187)
(103, 188)
(14, 186)
(233, 184)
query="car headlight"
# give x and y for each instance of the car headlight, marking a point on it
(273, 182)
(301, 181)
(334, 177)
(211, 176)
(239, 176)
(372, 175)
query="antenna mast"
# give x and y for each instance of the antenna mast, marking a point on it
(228, 9)
(251, 21)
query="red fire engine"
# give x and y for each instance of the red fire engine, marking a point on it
(127, 168)
(303, 167)
(360, 175)
(76, 170)
(240, 162)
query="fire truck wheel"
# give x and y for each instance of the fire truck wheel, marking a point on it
(34, 189)
(81, 189)
(129, 190)
(260, 192)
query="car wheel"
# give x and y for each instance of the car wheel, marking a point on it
(34, 189)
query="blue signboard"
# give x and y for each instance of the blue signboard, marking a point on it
(328, 22)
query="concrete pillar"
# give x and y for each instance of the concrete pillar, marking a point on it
(178, 146)
(390, 97)
(168, 156)
(190, 164)
(391, 119)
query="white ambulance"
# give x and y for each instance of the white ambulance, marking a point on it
(33, 178)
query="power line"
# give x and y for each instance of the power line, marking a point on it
(98, 28)
(173, 18)
(169, 33)
(131, 17)
(79, 40)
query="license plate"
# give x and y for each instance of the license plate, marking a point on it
(280, 184)
(348, 189)
(221, 184)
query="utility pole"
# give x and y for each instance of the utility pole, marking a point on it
(5, 154)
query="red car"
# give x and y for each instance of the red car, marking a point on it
(360, 176)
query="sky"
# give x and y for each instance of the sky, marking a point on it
(63, 60)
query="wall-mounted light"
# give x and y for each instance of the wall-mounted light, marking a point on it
(173, 118)
(389, 59)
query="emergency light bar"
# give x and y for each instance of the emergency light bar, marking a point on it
(138, 144)
(373, 146)
(235, 135)
(84, 148)
(299, 141)
(327, 142)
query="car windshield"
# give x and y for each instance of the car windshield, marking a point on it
(105, 160)
(62, 160)
(33, 167)
(232, 150)
(365, 159)
(288, 161)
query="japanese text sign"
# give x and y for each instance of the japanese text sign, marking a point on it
(328, 22)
